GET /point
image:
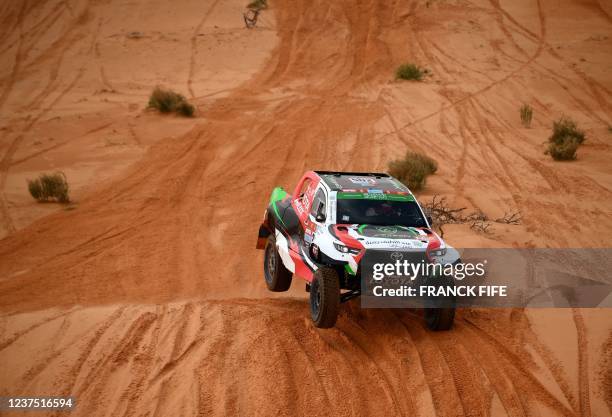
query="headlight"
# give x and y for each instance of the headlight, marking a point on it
(345, 249)
(438, 252)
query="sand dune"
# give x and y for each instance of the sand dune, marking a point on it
(146, 296)
(254, 357)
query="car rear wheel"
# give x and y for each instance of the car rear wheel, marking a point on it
(325, 297)
(278, 278)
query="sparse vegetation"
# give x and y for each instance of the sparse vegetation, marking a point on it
(252, 12)
(482, 226)
(526, 115)
(167, 101)
(413, 169)
(258, 5)
(48, 187)
(565, 139)
(410, 72)
(442, 213)
(135, 35)
(510, 217)
(185, 109)
(565, 128)
(565, 151)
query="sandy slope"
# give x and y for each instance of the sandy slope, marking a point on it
(147, 297)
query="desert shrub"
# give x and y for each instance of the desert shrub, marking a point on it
(565, 129)
(185, 109)
(526, 115)
(258, 4)
(413, 169)
(563, 151)
(167, 101)
(50, 187)
(35, 189)
(565, 139)
(410, 72)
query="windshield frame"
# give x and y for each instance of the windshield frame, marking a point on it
(380, 197)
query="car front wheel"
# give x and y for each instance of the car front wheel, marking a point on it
(325, 297)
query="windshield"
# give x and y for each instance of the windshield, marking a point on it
(379, 212)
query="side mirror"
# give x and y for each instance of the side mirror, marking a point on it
(429, 220)
(320, 217)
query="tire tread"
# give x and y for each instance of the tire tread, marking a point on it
(330, 294)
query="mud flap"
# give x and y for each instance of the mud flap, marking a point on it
(282, 246)
(262, 237)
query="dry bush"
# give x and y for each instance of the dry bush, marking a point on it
(526, 115)
(477, 215)
(410, 72)
(564, 129)
(50, 187)
(167, 101)
(185, 109)
(481, 226)
(413, 169)
(510, 217)
(565, 140)
(442, 213)
(565, 151)
(258, 5)
(252, 12)
(479, 222)
(134, 35)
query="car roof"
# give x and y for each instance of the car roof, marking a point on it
(361, 181)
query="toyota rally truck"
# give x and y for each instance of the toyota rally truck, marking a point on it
(322, 231)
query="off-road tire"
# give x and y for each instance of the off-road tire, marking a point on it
(440, 313)
(438, 319)
(277, 277)
(325, 297)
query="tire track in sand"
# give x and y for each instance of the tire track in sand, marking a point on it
(12, 339)
(583, 364)
(498, 357)
(194, 45)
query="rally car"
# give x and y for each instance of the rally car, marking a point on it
(322, 231)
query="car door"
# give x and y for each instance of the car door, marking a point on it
(311, 223)
(301, 203)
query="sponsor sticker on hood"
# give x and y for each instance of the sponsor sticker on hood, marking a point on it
(396, 237)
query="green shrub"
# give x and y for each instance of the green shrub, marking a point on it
(410, 72)
(526, 115)
(564, 151)
(258, 4)
(565, 139)
(413, 169)
(185, 109)
(50, 186)
(35, 189)
(565, 129)
(167, 101)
